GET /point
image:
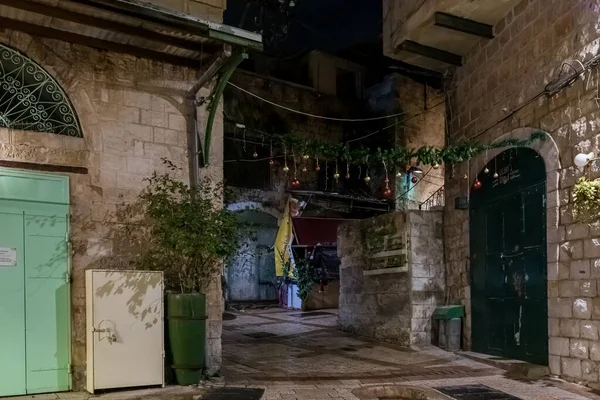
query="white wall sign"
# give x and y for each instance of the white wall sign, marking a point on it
(8, 257)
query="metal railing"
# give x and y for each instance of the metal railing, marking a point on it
(437, 199)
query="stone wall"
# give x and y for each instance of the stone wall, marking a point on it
(423, 115)
(133, 113)
(391, 276)
(499, 76)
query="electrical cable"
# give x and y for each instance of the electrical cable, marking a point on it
(314, 115)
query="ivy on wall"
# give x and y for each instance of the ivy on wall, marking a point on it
(426, 155)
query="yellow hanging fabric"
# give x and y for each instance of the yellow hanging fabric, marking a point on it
(283, 240)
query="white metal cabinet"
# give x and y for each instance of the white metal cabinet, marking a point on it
(125, 329)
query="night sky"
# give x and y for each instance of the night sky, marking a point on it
(327, 25)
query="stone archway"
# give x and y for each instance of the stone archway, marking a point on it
(549, 152)
(250, 275)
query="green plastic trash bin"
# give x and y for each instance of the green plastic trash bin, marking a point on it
(449, 320)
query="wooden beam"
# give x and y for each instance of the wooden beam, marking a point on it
(464, 25)
(85, 19)
(44, 167)
(431, 52)
(66, 36)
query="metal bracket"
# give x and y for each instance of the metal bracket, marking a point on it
(224, 76)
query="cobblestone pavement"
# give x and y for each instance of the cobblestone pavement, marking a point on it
(296, 355)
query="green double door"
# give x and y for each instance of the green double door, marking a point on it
(34, 284)
(508, 261)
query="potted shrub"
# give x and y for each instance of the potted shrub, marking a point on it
(184, 232)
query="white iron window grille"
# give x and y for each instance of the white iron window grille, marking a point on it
(31, 99)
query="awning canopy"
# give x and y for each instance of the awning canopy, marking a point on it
(313, 231)
(126, 26)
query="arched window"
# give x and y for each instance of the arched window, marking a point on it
(31, 99)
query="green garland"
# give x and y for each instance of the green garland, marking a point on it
(426, 155)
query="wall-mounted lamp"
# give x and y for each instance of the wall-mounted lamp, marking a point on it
(581, 160)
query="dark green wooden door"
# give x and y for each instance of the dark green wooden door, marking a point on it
(508, 259)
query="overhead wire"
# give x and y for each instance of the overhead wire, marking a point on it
(313, 115)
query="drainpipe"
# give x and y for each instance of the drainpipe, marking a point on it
(194, 145)
(224, 64)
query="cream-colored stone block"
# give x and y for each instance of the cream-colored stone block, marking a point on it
(582, 308)
(177, 122)
(140, 166)
(579, 348)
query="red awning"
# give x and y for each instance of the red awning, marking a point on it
(313, 231)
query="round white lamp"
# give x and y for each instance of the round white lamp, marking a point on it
(581, 160)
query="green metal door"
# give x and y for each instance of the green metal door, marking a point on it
(34, 284)
(508, 259)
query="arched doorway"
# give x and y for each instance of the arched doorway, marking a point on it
(251, 273)
(508, 257)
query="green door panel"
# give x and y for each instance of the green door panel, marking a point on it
(47, 304)
(12, 309)
(508, 259)
(35, 293)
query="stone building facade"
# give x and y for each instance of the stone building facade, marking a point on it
(497, 84)
(391, 276)
(488, 96)
(133, 112)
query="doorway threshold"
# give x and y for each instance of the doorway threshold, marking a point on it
(516, 369)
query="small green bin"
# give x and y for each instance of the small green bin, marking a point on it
(449, 320)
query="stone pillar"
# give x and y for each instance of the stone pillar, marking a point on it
(214, 292)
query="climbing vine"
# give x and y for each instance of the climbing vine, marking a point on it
(586, 200)
(426, 155)
(306, 278)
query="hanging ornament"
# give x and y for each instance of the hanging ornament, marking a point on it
(304, 169)
(477, 184)
(286, 169)
(496, 175)
(367, 179)
(436, 166)
(336, 175)
(486, 170)
(347, 175)
(347, 170)
(271, 161)
(255, 154)
(295, 182)
(387, 192)
(414, 179)
(306, 156)
(318, 167)
(465, 177)
(399, 174)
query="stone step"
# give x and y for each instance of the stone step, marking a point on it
(516, 369)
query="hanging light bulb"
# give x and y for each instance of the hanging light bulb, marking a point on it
(336, 176)
(399, 174)
(304, 169)
(496, 175)
(271, 162)
(477, 184)
(255, 154)
(436, 166)
(306, 156)
(347, 175)
(465, 177)
(388, 192)
(286, 169)
(318, 167)
(367, 179)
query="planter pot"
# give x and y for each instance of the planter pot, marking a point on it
(186, 323)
